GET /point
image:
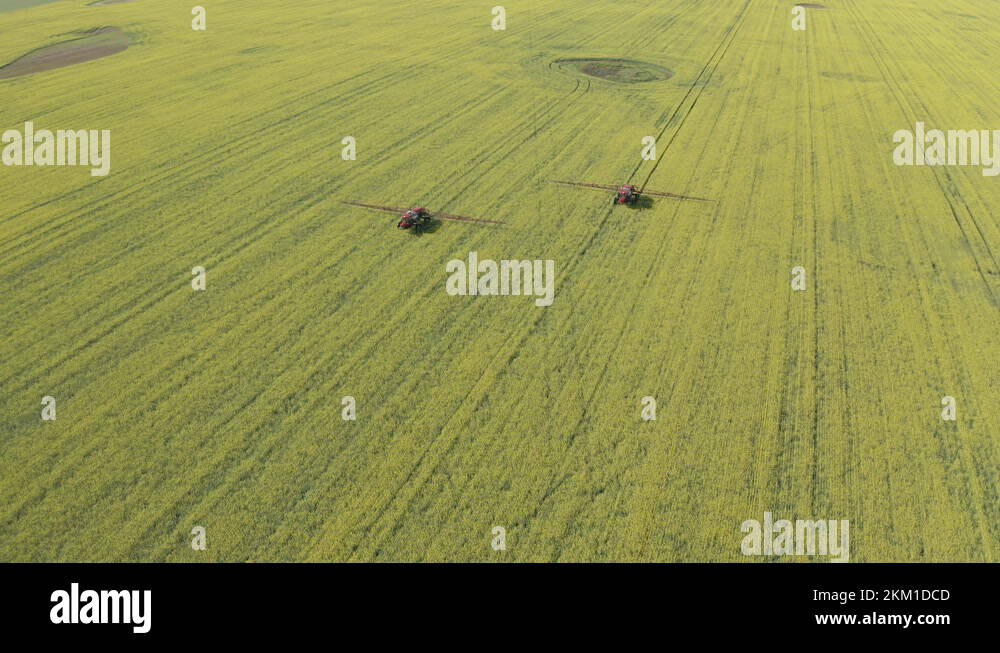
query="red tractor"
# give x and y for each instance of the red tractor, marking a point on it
(627, 194)
(416, 218)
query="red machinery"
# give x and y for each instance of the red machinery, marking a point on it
(419, 218)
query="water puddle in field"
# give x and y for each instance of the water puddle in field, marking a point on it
(87, 46)
(623, 71)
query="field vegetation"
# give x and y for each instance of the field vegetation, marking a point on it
(178, 408)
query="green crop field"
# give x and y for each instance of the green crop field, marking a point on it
(222, 408)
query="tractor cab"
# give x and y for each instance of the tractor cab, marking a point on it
(627, 194)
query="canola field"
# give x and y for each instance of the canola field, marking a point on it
(221, 408)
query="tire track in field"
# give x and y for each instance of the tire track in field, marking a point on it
(389, 326)
(816, 125)
(424, 134)
(785, 435)
(406, 60)
(398, 75)
(569, 27)
(738, 21)
(230, 144)
(608, 212)
(225, 250)
(532, 124)
(840, 367)
(495, 159)
(873, 43)
(146, 306)
(955, 193)
(208, 160)
(67, 466)
(506, 364)
(528, 176)
(293, 103)
(887, 451)
(143, 308)
(291, 364)
(691, 296)
(722, 48)
(653, 32)
(690, 293)
(569, 274)
(811, 98)
(977, 501)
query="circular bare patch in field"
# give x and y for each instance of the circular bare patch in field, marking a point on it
(625, 71)
(87, 46)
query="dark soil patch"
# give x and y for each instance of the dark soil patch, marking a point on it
(87, 46)
(625, 71)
